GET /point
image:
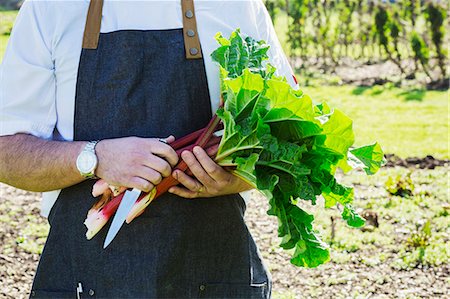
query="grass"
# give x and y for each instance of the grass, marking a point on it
(407, 122)
(6, 23)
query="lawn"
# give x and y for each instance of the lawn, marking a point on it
(405, 122)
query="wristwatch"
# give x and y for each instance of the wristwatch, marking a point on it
(87, 160)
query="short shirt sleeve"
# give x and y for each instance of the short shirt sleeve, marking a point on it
(276, 53)
(27, 80)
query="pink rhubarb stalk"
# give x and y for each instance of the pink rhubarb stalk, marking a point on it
(163, 187)
(98, 217)
(102, 210)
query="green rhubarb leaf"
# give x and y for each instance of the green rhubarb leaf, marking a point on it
(222, 41)
(310, 250)
(234, 140)
(247, 80)
(369, 157)
(286, 146)
(352, 218)
(240, 52)
(246, 168)
(343, 196)
(339, 133)
(296, 231)
(322, 109)
(282, 95)
(288, 126)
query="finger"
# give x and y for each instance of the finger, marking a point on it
(99, 187)
(187, 181)
(158, 164)
(170, 139)
(197, 170)
(183, 192)
(116, 190)
(214, 171)
(164, 151)
(149, 174)
(141, 184)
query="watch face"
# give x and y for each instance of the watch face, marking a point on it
(86, 162)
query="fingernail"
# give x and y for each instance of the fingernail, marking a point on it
(197, 149)
(175, 175)
(170, 190)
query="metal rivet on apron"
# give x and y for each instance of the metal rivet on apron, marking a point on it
(189, 14)
(193, 51)
(202, 287)
(91, 292)
(33, 293)
(190, 32)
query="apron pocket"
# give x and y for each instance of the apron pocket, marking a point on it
(233, 290)
(52, 294)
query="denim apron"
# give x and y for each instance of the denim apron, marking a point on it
(140, 83)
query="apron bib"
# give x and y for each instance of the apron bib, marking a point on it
(147, 83)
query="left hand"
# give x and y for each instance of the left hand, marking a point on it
(209, 179)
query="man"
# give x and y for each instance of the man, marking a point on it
(101, 83)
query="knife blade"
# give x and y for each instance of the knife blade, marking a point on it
(125, 207)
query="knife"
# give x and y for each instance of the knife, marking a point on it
(125, 207)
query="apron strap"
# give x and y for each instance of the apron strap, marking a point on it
(191, 40)
(190, 32)
(93, 22)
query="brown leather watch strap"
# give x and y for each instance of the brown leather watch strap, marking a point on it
(191, 40)
(93, 23)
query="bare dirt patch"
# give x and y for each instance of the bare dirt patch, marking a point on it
(428, 162)
(365, 264)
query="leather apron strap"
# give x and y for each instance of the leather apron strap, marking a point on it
(93, 22)
(191, 40)
(190, 33)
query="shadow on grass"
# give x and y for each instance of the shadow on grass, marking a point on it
(416, 94)
(374, 90)
(359, 90)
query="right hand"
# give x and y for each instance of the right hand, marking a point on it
(135, 162)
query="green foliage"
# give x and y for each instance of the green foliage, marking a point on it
(421, 52)
(422, 249)
(6, 24)
(325, 34)
(400, 185)
(388, 30)
(420, 238)
(381, 25)
(273, 7)
(287, 147)
(435, 15)
(298, 11)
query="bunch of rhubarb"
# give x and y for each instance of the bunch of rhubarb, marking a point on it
(275, 138)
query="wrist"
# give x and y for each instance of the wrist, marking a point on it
(87, 160)
(102, 156)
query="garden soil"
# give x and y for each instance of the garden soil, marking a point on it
(23, 231)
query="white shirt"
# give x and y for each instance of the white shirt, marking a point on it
(39, 70)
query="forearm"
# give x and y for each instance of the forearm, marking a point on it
(34, 164)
